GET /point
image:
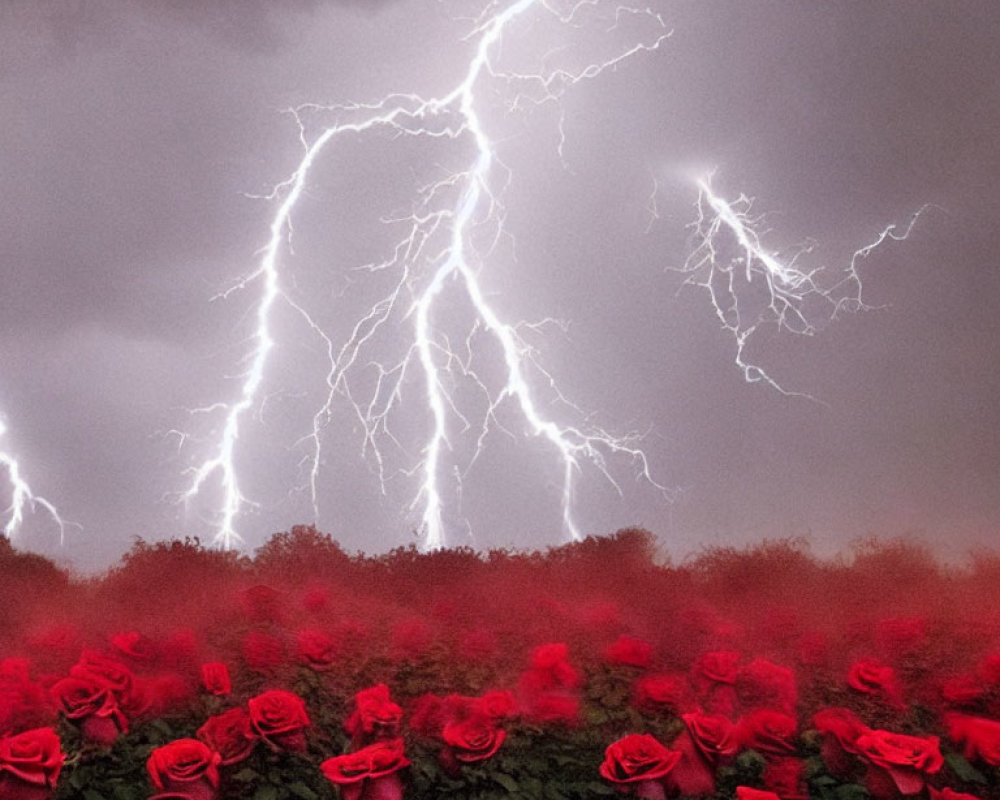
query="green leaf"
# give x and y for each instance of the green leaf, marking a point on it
(245, 775)
(266, 792)
(299, 789)
(125, 792)
(506, 782)
(963, 769)
(851, 791)
(90, 794)
(596, 787)
(596, 716)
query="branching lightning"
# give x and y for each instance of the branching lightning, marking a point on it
(447, 240)
(751, 287)
(22, 499)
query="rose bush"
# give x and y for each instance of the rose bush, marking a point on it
(506, 675)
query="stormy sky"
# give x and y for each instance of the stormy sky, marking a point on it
(140, 143)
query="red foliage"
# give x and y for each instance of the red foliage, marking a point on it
(755, 649)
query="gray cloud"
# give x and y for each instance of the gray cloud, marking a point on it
(134, 131)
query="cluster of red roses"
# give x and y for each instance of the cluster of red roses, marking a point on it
(734, 709)
(864, 672)
(190, 767)
(467, 727)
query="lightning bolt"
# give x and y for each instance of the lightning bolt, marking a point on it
(750, 286)
(456, 224)
(22, 498)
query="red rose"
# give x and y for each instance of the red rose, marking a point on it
(369, 773)
(706, 742)
(637, 757)
(713, 677)
(545, 687)
(768, 732)
(280, 719)
(871, 677)
(215, 678)
(375, 716)
(842, 724)
(30, 760)
(903, 759)
(229, 734)
(840, 729)
(93, 705)
(473, 739)
(317, 649)
(661, 692)
(187, 767)
(629, 651)
(713, 735)
(980, 736)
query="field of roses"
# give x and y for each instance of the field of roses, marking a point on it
(591, 670)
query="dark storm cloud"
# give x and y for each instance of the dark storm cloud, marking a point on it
(60, 29)
(256, 25)
(132, 132)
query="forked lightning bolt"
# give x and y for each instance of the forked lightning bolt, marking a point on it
(750, 286)
(447, 241)
(22, 499)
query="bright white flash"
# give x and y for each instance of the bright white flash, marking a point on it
(751, 286)
(22, 499)
(447, 240)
